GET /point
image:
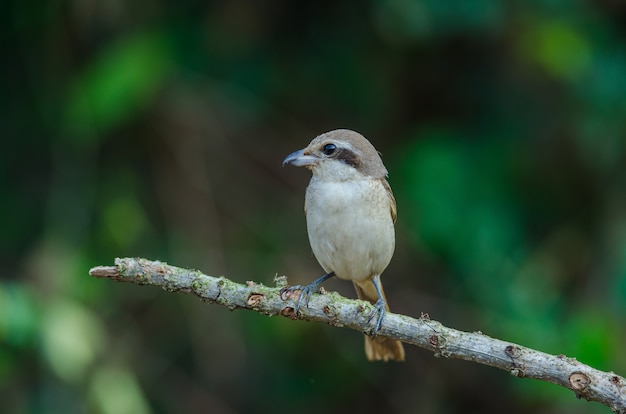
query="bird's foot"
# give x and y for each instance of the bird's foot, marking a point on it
(305, 294)
(307, 290)
(380, 310)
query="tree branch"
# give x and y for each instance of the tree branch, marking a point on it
(586, 382)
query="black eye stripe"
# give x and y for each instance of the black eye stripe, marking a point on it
(344, 155)
(348, 157)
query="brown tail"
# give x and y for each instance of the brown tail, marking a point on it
(379, 348)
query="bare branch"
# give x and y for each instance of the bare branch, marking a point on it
(333, 309)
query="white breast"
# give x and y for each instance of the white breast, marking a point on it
(350, 226)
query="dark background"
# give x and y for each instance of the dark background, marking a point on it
(157, 129)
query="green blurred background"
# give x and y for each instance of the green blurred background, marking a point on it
(157, 129)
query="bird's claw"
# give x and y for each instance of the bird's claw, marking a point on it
(380, 309)
(305, 294)
(307, 290)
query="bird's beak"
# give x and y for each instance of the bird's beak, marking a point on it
(300, 159)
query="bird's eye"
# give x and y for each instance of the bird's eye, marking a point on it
(329, 149)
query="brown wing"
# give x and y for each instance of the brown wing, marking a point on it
(392, 200)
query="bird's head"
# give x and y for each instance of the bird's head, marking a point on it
(339, 155)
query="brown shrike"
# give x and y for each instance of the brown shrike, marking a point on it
(350, 215)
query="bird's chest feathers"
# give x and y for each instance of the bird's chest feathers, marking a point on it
(350, 226)
(337, 197)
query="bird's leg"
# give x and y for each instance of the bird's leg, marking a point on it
(380, 307)
(307, 290)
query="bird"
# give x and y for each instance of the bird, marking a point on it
(350, 215)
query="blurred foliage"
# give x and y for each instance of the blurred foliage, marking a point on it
(157, 129)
